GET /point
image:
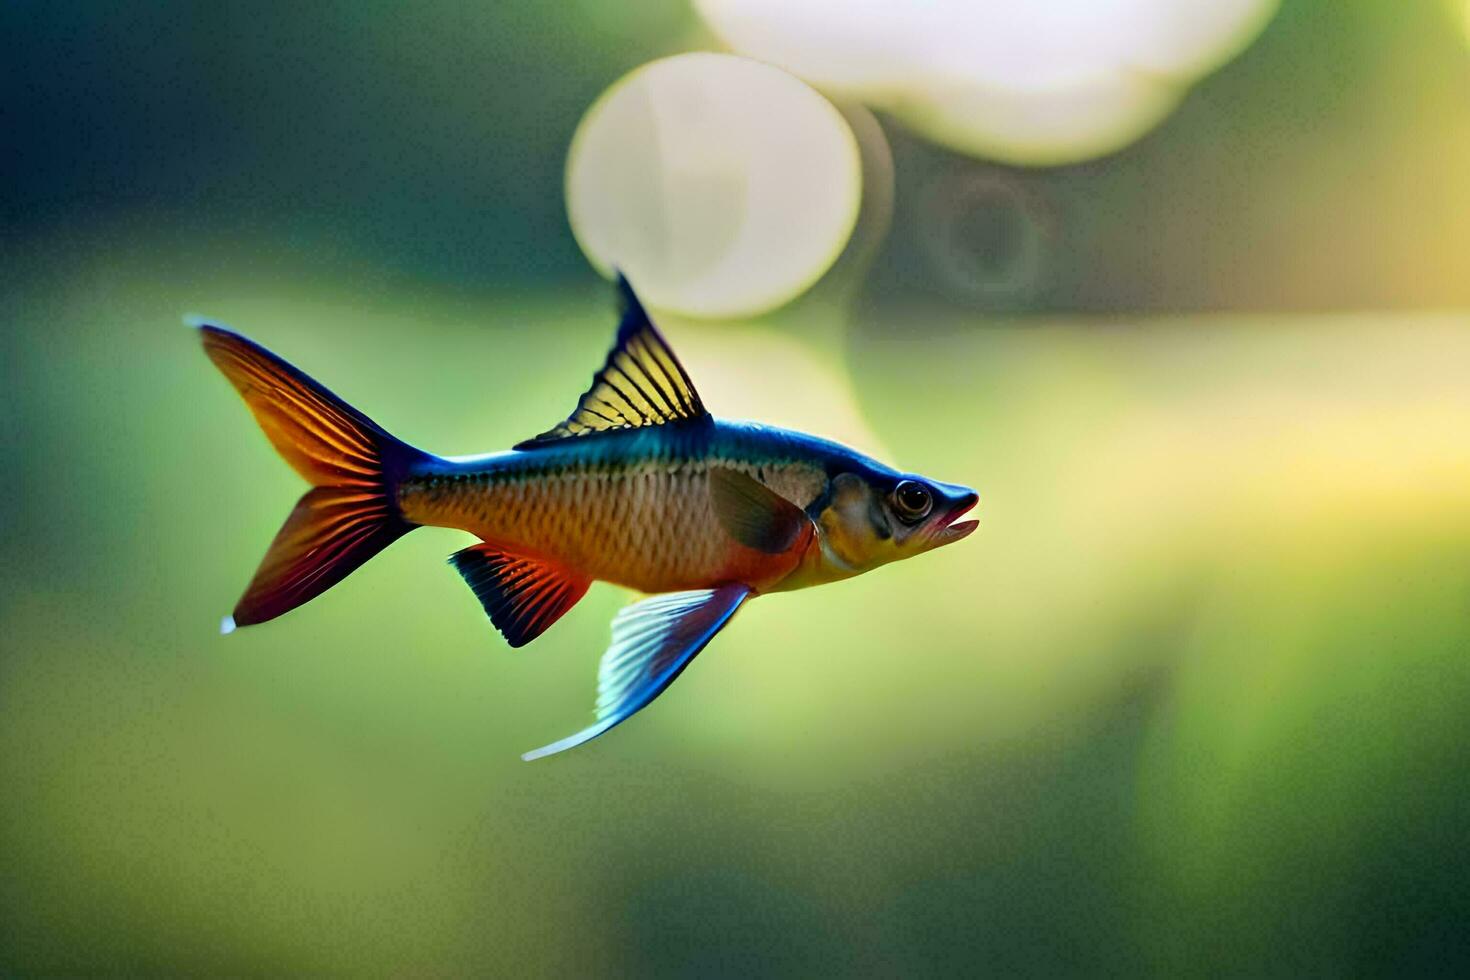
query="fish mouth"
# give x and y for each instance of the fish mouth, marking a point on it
(951, 528)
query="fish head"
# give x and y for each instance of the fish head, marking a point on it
(869, 518)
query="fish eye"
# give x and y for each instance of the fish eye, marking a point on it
(912, 500)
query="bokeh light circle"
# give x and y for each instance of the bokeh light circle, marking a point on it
(1041, 127)
(721, 186)
(1186, 39)
(1038, 83)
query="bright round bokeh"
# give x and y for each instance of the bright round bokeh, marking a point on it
(1038, 83)
(1041, 127)
(1187, 39)
(721, 186)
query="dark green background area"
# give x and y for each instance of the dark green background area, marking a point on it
(1323, 170)
(1195, 698)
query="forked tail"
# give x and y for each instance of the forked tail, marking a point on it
(354, 466)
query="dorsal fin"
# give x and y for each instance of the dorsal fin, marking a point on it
(641, 383)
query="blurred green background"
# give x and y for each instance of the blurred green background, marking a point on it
(1194, 699)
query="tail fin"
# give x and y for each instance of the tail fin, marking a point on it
(352, 463)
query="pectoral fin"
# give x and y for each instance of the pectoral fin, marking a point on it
(521, 596)
(752, 513)
(652, 642)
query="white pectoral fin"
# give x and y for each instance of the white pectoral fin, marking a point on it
(652, 641)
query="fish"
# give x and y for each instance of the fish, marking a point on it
(639, 486)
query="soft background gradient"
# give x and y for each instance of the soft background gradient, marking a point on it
(1196, 698)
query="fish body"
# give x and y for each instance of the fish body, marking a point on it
(633, 507)
(640, 486)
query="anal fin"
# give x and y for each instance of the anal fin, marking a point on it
(652, 642)
(522, 596)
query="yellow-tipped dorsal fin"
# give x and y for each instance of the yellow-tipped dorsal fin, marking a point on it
(641, 383)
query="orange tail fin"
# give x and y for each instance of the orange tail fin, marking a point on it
(352, 463)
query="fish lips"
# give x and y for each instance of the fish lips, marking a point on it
(947, 528)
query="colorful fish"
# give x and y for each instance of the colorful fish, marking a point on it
(639, 486)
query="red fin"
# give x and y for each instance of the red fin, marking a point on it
(332, 531)
(522, 596)
(354, 464)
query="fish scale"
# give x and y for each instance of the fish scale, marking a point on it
(647, 525)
